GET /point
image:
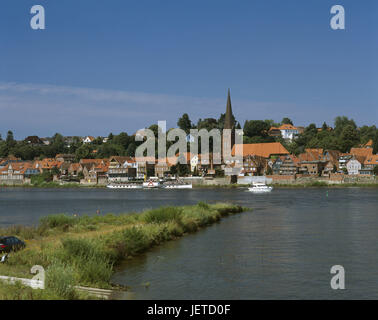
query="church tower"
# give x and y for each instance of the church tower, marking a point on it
(229, 120)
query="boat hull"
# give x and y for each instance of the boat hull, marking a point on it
(124, 186)
(262, 190)
(183, 186)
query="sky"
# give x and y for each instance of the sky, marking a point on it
(119, 65)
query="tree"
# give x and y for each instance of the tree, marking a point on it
(348, 138)
(83, 152)
(342, 122)
(375, 170)
(184, 123)
(10, 140)
(208, 124)
(130, 151)
(375, 143)
(256, 128)
(57, 145)
(123, 139)
(286, 121)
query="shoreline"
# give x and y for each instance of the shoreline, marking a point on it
(87, 250)
(320, 184)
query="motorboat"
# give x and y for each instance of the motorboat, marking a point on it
(260, 187)
(177, 185)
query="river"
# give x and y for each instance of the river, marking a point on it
(283, 249)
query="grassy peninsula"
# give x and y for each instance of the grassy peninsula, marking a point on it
(85, 250)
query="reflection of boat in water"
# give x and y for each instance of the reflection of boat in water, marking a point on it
(151, 184)
(124, 186)
(260, 187)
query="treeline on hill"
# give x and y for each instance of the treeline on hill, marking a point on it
(344, 135)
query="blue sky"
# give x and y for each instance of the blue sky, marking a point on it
(119, 65)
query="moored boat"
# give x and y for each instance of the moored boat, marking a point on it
(260, 187)
(151, 184)
(178, 186)
(124, 186)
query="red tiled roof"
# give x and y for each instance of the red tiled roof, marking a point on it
(365, 152)
(262, 149)
(287, 127)
(373, 159)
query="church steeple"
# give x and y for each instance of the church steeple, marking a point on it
(229, 119)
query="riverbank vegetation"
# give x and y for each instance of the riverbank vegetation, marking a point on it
(85, 250)
(344, 135)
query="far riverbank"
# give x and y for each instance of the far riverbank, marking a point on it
(293, 184)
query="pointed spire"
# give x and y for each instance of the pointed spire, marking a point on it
(228, 119)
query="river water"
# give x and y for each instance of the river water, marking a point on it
(283, 249)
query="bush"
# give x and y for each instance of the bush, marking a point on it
(92, 263)
(58, 220)
(162, 215)
(61, 280)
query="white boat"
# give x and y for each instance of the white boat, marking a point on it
(260, 187)
(125, 186)
(151, 184)
(178, 186)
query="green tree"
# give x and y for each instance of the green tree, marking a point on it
(286, 121)
(10, 140)
(342, 122)
(84, 152)
(348, 138)
(184, 123)
(375, 143)
(256, 128)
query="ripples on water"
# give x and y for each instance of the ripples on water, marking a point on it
(283, 249)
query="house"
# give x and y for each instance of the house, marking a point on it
(357, 158)
(74, 169)
(289, 165)
(311, 162)
(275, 132)
(94, 170)
(34, 140)
(265, 150)
(122, 168)
(70, 158)
(46, 141)
(343, 159)
(193, 160)
(354, 165)
(276, 164)
(288, 131)
(163, 168)
(253, 166)
(88, 139)
(47, 164)
(369, 164)
(364, 152)
(145, 167)
(17, 172)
